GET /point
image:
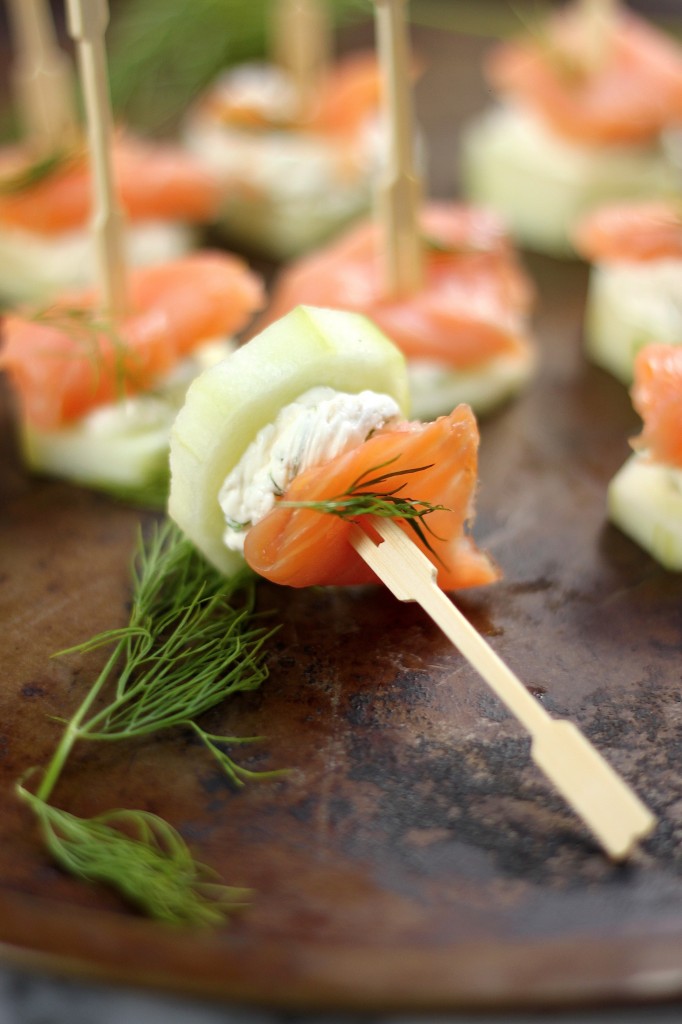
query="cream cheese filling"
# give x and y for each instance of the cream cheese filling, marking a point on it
(320, 425)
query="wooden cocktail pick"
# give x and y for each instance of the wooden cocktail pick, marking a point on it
(301, 43)
(598, 795)
(87, 23)
(42, 78)
(598, 18)
(400, 192)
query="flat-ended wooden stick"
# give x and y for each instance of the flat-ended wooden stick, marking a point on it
(87, 23)
(598, 17)
(42, 78)
(301, 44)
(400, 193)
(607, 805)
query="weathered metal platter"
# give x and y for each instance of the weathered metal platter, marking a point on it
(413, 858)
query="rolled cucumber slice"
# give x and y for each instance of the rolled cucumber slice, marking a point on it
(645, 502)
(228, 404)
(629, 305)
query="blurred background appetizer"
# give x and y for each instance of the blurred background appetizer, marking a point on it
(635, 285)
(277, 447)
(645, 495)
(100, 374)
(97, 395)
(585, 99)
(465, 330)
(441, 279)
(296, 140)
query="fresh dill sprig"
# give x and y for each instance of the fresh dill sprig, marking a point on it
(33, 173)
(163, 54)
(191, 641)
(360, 500)
(495, 19)
(87, 329)
(152, 494)
(143, 857)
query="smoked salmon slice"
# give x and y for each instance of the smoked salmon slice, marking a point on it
(635, 232)
(301, 547)
(63, 362)
(349, 94)
(473, 303)
(154, 181)
(626, 94)
(657, 397)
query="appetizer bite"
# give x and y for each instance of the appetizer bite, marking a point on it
(45, 209)
(465, 330)
(441, 280)
(584, 104)
(645, 495)
(46, 189)
(97, 395)
(293, 172)
(100, 374)
(276, 446)
(635, 286)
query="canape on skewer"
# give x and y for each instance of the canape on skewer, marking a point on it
(45, 202)
(645, 495)
(97, 397)
(292, 173)
(465, 332)
(310, 410)
(584, 108)
(635, 286)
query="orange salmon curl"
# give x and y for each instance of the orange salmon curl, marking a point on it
(301, 547)
(627, 93)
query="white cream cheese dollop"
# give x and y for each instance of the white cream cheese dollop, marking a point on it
(318, 426)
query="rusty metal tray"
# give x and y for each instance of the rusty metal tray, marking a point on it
(414, 858)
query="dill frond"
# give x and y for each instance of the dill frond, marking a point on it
(360, 500)
(440, 246)
(495, 19)
(192, 639)
(142, 857)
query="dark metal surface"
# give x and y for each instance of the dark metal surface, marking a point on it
(413, 858)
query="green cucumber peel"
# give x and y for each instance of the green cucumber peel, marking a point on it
(227, 405)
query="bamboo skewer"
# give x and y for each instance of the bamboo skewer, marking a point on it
(599, 17)
(399, 195)
(87, 23)
(301, 45)
(598, 795)
(42, 78)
